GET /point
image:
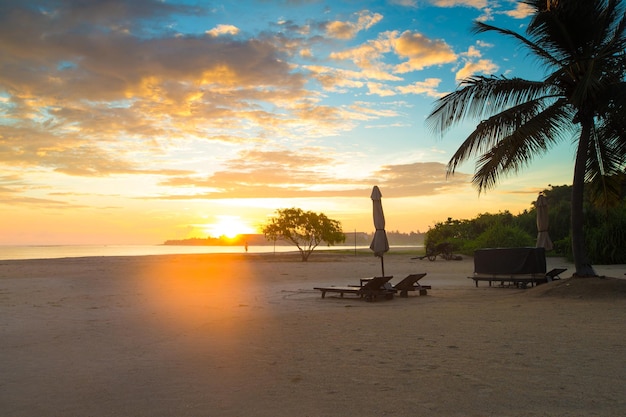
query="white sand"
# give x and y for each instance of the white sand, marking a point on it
(246, 335)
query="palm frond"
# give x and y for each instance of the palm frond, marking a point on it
(480, 98)
(571, 28)
(534, 47)
(518, 149)
(605, 190)
(582, 43)
(606, 161)
(609, 147)
(611, 26)
(527, 121)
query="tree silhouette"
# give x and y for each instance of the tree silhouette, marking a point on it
(582, 98)
(305, 229)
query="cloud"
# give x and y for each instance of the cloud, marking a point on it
(482, 66)
(338, 79)
(482, 5)
(267, 173)
(421, 52)
(87, 90)
(380, 89)
(12, 189)
(84, 92)
(472, 52)
(416, 49)
(477, 4)
(406, 3)
(311, 172)
(367, 55)
(369, 112)
(40, 203)
(475, 64)
(427, 87)
(220, 30)
(521, 11)
(349, 29)
(419, 179)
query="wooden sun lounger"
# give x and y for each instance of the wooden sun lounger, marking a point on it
(553, 274)
(370, 290)
(410, 283)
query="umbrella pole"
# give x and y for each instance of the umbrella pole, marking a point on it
(382, 265)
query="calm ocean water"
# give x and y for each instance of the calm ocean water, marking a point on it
(77, 251)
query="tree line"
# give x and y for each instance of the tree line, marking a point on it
(604, 231)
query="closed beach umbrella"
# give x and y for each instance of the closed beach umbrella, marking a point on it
(543, 238)
(379, 244)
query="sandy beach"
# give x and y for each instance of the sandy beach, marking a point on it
(246, 335)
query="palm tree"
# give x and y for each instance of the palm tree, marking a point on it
(581, 44)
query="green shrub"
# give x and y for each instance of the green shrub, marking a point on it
(606, 243)
(502, 236)
(605, 229)
(563, 247)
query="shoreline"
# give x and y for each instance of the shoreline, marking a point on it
(79, 251)
(400, 256)
(246, 335)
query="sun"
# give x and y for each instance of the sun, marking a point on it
(229, 226)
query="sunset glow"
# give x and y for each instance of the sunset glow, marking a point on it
(178, 119)
(228, 226)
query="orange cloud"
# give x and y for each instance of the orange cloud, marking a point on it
(521, 11)
(421, 52)
(348, 30)
(311, 173)
(220, 30)
(482, 66)
(478, 4)
(427, 87)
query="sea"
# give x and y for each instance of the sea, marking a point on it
(78, 251)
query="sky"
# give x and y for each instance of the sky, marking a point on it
(139, 121)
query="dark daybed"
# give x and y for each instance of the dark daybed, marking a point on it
(516, 266)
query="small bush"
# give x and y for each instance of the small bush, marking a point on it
(606, 244)
(563, 247)
(502, 236)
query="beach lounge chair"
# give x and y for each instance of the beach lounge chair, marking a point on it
(410, 283)
(371, 289)
(554, 274)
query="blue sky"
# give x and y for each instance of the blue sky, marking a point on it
(141, 121)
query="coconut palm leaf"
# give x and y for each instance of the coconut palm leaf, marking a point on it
(582, 46)
(513, 152)
(525, 122)
(480, 97)
(540, 53)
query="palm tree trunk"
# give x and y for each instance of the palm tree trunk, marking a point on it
(583, 267)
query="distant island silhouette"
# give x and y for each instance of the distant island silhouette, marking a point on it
(352, 238)
(239, 240)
